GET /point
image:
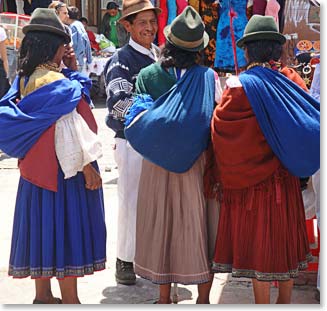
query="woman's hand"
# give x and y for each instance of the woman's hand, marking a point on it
(93, 179)
(69, 58)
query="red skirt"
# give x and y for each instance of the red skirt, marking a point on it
(262, 232)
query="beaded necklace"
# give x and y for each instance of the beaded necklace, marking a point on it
(49, 66)
(271, 65)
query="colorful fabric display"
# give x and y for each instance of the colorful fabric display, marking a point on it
(162, 22)
(259, 7)
(272, 9)
(172, 10)
(209, 13)
(224, 60)
(181, 5)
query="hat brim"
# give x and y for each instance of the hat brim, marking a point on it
(46, 28)
(157, 10)
(203, 45)
(255, 36)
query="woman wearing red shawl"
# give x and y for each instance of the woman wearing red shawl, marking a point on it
(261, 233)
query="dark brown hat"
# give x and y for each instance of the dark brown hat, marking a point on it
(46, 20)
(131, 7)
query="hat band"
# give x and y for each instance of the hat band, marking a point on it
(186, 44)
(137, 7)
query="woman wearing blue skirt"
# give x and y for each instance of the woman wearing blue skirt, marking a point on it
(59, 226)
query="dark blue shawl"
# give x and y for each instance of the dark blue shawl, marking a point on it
(21, 125)
(175, 130)
(288, 117)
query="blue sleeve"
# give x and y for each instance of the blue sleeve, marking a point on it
(75, 37)
(88, 50)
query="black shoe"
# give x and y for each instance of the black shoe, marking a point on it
(125, 272)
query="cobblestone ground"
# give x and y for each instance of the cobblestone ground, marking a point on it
(101, 287)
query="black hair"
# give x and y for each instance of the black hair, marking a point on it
(263, 51)
(131, 18)
(84, 19)
(73, 12)
(172, 56)
(38, 47)
(112, 5)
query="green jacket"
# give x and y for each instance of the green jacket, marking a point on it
(105, 29)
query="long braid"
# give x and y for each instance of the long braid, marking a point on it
(37, 48)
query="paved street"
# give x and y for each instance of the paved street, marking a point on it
(101, 287)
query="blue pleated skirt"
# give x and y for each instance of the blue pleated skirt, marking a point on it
(58, 234)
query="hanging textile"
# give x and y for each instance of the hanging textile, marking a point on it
(259, 7)
(172, 10)
(209, 13)
(224, 60)
(272, 9)
(195, 4)
(162, 22)
(181, 5)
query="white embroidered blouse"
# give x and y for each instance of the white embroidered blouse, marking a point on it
(76, 145)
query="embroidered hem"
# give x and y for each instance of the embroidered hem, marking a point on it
(59, 273)
(261, 276)
(166, 278)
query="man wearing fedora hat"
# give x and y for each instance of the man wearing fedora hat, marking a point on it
(139, 17)
(174, 240)
(262, 232)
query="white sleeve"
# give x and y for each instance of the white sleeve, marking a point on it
(218, 89)
(3, 35)
(76, 145)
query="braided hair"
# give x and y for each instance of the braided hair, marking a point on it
(172, 56)
(38, 47)
(263, 51)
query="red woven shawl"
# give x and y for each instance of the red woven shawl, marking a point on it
(242, 154)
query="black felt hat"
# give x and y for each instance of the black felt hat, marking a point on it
(261, 27)
(187, 31)
(46, 20)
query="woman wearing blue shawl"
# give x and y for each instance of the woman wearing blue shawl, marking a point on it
(265, 135)
(59, 228)
(172, 230)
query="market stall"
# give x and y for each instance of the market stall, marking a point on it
(95, 72)
(225, 21)
(13, 25)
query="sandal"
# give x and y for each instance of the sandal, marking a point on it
(56, 301)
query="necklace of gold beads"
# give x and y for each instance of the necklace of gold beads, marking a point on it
(254, 64)
(49, 66)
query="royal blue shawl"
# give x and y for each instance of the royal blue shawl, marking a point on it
(288, 117)
(21, 125)
(175, 130)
